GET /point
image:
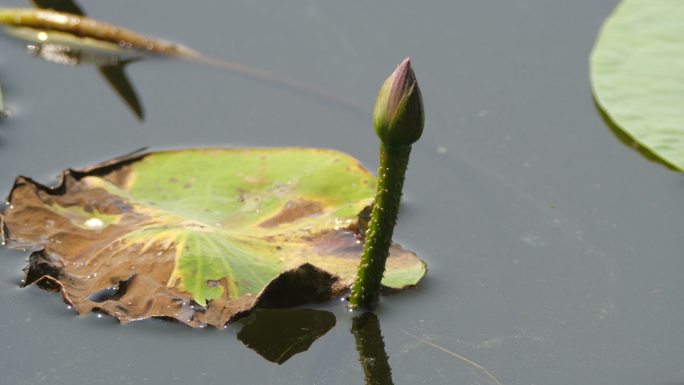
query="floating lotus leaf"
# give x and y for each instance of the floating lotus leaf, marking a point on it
(637, 74)
(202, 236)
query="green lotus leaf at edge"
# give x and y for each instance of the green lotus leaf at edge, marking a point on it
(637, 74)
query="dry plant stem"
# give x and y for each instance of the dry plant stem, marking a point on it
(393, 163)
(86, 27)
(82, 26)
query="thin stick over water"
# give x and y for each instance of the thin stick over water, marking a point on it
(456, 355)
(86, 27)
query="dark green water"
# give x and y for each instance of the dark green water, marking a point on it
(554, 251)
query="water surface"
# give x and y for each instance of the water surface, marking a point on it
(554, 251)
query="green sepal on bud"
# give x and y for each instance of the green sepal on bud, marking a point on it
(398, 116)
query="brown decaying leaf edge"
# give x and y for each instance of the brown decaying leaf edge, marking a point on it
(303, 284)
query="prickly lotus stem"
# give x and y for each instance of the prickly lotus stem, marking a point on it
(398, 119)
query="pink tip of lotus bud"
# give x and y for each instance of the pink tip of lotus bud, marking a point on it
(398, 115)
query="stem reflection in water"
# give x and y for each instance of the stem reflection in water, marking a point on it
(2, 104)
(371, 348)
(279, 334)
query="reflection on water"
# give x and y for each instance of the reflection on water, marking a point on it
(111, 67)
(279, 334)
(2, 104)
(65, 49)
(371, 348)
(76, 40)
(116, 77)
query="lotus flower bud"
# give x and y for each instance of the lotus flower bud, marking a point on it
(398, 117)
